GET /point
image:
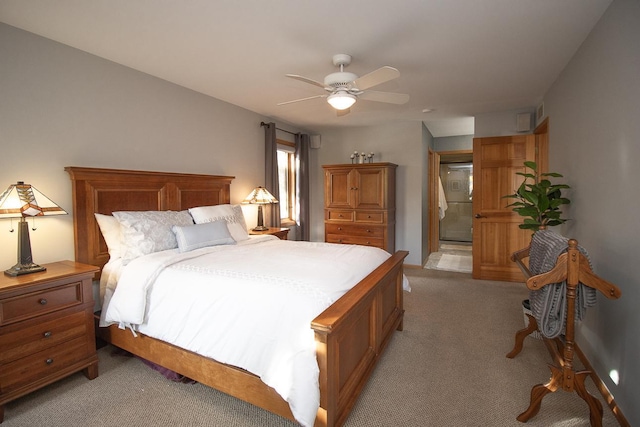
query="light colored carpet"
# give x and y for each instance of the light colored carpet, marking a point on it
(446, 368)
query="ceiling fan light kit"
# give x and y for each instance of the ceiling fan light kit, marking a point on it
(344, 88)
(341, 100)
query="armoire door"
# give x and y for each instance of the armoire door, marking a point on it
(369, 188)
(338, 191)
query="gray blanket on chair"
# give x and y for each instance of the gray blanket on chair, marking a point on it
(549, 304)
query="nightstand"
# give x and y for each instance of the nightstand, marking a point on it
(46, 328)
(280, 233)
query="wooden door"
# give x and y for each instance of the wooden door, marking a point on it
(434, 212)
(495, 227)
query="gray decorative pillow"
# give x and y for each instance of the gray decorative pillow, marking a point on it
(196, 236)
(232, 214)
(146, 232)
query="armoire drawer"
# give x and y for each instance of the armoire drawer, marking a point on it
(340, 215)
(370, 216)
(355, 240)
(355, 230)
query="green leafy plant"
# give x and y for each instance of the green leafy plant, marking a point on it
(538, 200)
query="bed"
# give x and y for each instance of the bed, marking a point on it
(350, 335)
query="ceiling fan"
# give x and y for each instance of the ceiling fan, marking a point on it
(344, 88)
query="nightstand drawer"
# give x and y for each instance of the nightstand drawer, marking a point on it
(42, 364)
(26, 341)
(38, 303)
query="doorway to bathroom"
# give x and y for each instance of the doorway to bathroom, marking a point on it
(456, 198)
(455, 218)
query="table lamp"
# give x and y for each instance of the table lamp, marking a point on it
(260, 196)
(20, 201)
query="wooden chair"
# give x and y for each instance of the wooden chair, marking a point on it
(573, 267)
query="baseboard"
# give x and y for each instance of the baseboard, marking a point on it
(411, 266)
(604, 391)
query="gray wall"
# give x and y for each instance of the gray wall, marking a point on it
(594, 136)
(453, 143)
(63, 107)
(501, 123)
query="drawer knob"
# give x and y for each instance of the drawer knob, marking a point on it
(339, 240)
(368, 231)
(340, 216)
(49, 361)
(47, 334)
(43, 301)
(368, 216)
(340, 228)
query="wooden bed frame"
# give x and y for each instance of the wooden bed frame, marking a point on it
(350, 335)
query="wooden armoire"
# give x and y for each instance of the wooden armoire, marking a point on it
(360, 204)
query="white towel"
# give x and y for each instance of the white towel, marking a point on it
(442, 201)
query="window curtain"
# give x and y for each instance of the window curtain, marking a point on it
(302, 185)
(271, 182)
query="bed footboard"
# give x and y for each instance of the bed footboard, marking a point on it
(351, 336)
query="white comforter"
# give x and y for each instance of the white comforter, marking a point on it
(249, 305)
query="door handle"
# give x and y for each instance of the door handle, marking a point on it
(479, 216)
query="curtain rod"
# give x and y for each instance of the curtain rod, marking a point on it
(277, 128)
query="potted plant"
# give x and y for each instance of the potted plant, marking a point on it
(538, 200)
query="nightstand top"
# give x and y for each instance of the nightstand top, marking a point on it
(55, 271)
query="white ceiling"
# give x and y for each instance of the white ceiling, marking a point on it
(459, 57)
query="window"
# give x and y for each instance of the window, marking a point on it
(287, 179)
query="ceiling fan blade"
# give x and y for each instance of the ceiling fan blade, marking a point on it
(376, 77)
(389, 97)
(302, 99)
(307, 80)
(344, 112)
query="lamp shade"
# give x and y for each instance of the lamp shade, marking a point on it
(260, 196)
(341, 100)
(22, 200)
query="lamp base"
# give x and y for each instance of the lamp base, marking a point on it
(20, 269)
(260, 228)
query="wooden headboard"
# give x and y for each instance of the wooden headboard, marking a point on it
(109, 190)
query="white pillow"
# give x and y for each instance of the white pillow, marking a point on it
(196, 236)
(110, 229)
(146, 232)
(232, 214)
